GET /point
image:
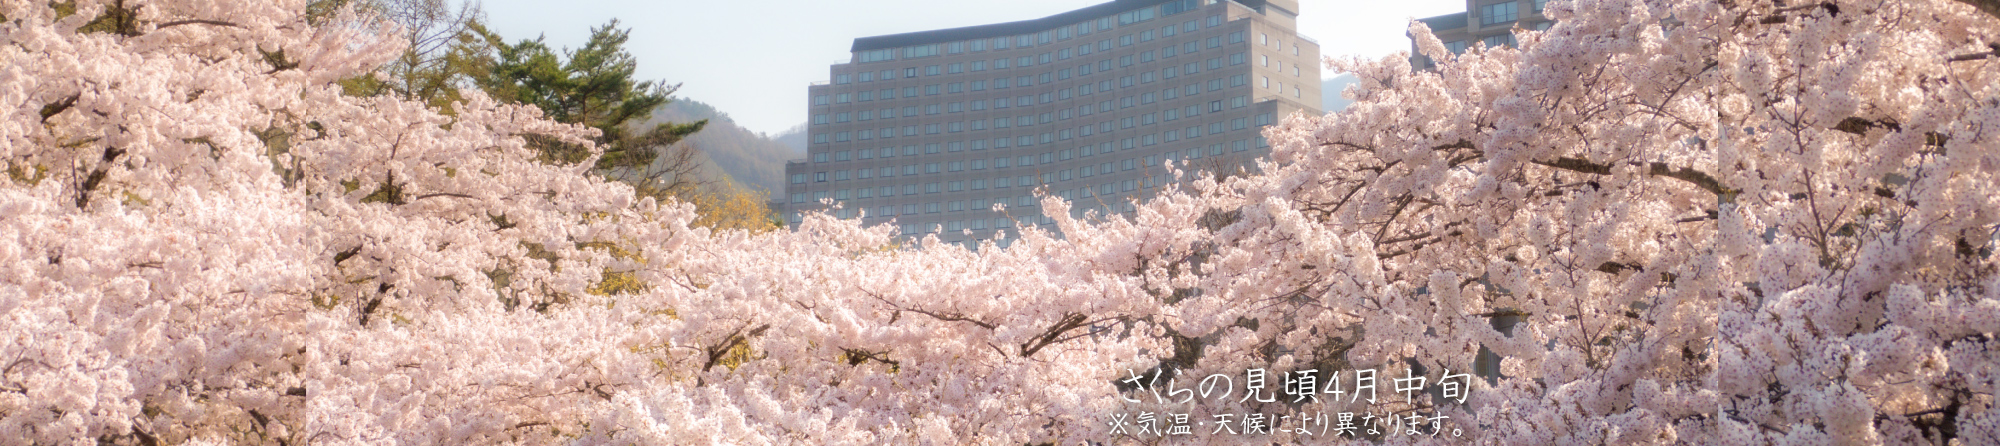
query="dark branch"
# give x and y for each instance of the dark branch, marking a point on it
(1859, 126)
(57, 107)
(721, 349)
(1690, 175)
(1054, 334)
(949, 317)
(197, 22)
(1695, 177)
(436, 195)
(96, 177)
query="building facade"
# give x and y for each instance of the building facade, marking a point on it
(930, 130)
(1490, 22)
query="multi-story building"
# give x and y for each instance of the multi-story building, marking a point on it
(1484, 21)
(929, 130)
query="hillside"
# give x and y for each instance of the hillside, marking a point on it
(794, 138)
(1330, 99)
(754, 160)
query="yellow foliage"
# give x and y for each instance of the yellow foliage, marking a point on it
(21, 175)
(617, 283)
(737, 354)
(729, 206)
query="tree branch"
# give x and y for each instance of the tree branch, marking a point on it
(1069, 322)
(436, 195)
(947, 317)
(1691, 176)
(58, 107)
(97, 176)
(197, 22)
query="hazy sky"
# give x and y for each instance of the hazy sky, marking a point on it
(753, 59)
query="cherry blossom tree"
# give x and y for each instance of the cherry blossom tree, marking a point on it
(1673, 222)
(1716, 223)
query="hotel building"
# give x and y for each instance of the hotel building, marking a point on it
(929, 130)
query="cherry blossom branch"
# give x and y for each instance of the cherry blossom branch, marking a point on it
(857, 356)
(197, 22)
(96, 177)
(446, 194)
(947, 317)
(720, 349)
(1689, 175)
(1070, 321)
(59, 106)
(1974, 56)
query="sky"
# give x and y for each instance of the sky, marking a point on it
(753, 59)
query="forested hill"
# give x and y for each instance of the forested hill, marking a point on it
(754, 160)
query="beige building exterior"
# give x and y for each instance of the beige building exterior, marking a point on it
(929, 130)
(1484, 21)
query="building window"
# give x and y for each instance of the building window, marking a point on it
(1498, 13)
(1499, 40)
(920, 51)
(878, 55)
